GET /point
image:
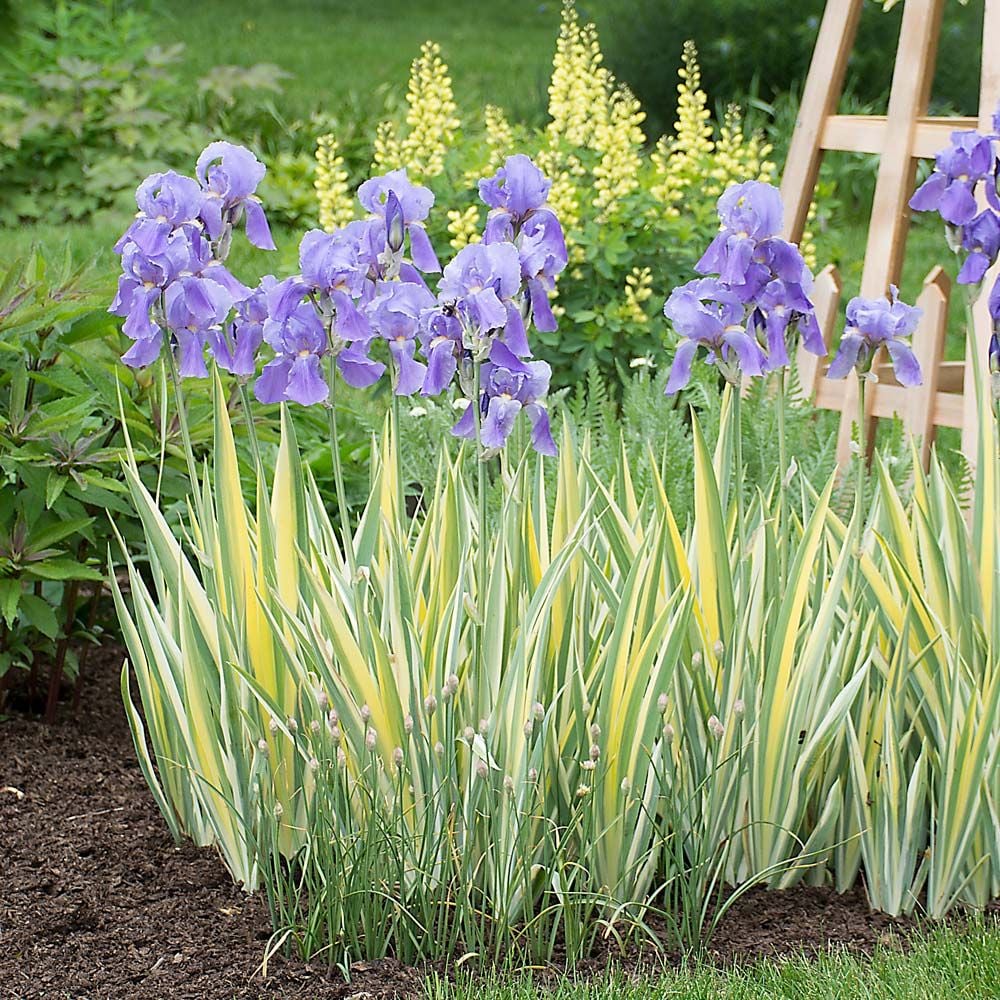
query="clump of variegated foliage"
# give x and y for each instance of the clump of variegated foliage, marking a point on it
(653, 718)
(628, 210)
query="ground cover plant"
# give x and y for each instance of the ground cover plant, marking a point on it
(401, 702)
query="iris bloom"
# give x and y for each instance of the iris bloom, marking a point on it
(875, 323)
(781, 306)
(395, 314)
(166, 201)
(510, 385)
(981, 241)
(750, 214)
(950, 189)
(994, 305)
(441, 340)
(234, 347)
(542, 249)
(399, 205)
(479, 286)
(708, 315)
(229, 176)
(513, 193)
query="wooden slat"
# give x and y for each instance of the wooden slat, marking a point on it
(819, 100)
(911, 85)
(867, 133)
(977, 345)
(928, 346)
(891, 401)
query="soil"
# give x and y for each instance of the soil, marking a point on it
(97, 902)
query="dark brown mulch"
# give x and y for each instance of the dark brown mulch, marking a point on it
(97, 902)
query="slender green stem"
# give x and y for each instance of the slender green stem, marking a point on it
(338, 475)
(783, 472)
(736, 480)
(858, 520)
(480, 501)
(185, 430)
(251, 428)
(398, 457)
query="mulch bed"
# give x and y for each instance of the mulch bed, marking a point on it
(96, 901)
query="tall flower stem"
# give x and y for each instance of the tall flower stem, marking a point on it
(247, 405)
(736, 479)
(182, 420)
(338, 474)
(480, 504)
(398, 459)
(858, 520)
(783, 472)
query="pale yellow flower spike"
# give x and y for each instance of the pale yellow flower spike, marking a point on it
(336, 206)
(638, 289)
(388, 152)
(431, 118)
(619, 141)
(464, 227)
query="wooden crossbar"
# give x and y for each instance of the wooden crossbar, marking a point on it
(900, 137)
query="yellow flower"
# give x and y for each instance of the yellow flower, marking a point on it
(388, 152)
(431, 119)
(336, 206)
(464, 227)
(738, 157)
(638, 289)
(619, 141)
(499, 136)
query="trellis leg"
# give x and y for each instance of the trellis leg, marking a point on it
(989, 96)
(826, 299)
(908, 98)
(928, 346)
(819, 100)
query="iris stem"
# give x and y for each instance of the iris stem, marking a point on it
(858, 524)
(737, 478)
(338, 475)
(185, 430)
(251, 428)
(481, 507)
(398, 457)
(783, 467)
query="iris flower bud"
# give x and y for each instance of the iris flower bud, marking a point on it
(394, 226)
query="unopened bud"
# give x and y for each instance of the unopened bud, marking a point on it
(668, 733)
(293, 726)
(313, 764)
(661, 703)
(715, 727)
(468, 734)
(314, 726)
(739, 707)
(595, 732)
(696, 660)
(532, 775)
(595, 752)
(529, 727)
(362, 574)
(323, 700)
(538, 711)
(718, 649)
(508, 784)
(430, 704)
(394, 226)
(408, 723)
(278, 810)
(341, 757)
(370, 738)
(263, 749)
(397, 756)
(482, 770)
(626, 786)
(484, 727)
(335, 735)
(366, 713)
(439, 748)
(273, 725)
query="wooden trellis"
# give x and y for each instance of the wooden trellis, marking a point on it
(900, 138)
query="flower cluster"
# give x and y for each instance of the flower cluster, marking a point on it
(336, 206)
(754, 298)
(174, 281)
(971, 162)
(358, 286)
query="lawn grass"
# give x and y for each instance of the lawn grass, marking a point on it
(942, 963)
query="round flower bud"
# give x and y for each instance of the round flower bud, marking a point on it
(397, 756)
(468, 734)
(451, 684)
(335, 735)
(278, 810)
(538, 711)
(370, 738)
(484, 727)
(408, 723)
(263, 749)
(314, 726)
(508, 784)
(696, 660)
(293, 726)
(715, 727)
(273, 725)
(739, 707)
(595, 732)
(532, 775)
(529, 727)
(661, 703)
(332, 717)
(366, 713)
(341, 757)
(482, 770)
(430, 704)
(626, 786)
(668, 733)
(323, 700)
(718, 649)
(588, 765)
(439, 748)
(595, 752)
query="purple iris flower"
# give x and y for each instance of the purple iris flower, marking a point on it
(708, 314)
(950, 189)
(166, 201)
(235, 345)
(441, 340)
(994, 354)
(542, 249)
(397, 202)
(395, 314)
(194, 314)
(480, 285)
(874, 323)
(751, 214)
(513, 193)
(229, 176)
(296, 372)
(994, 304)
(779, 307)
(981, 241)
(510, 385)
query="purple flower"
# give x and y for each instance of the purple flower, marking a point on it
(981, 241)
(542, 249)
(395, 314)
(480, 285)
(513, 193)
(708, 314)
(510, 385)
(750, 213)
(235, 345)
(994, 354)
(874, 323)
(296, 372)
(397, 202)
(194, 312)
(229, 176)
(779, 307)
(950, 189)
(166, 201)
(441, 340)
(994, 304)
